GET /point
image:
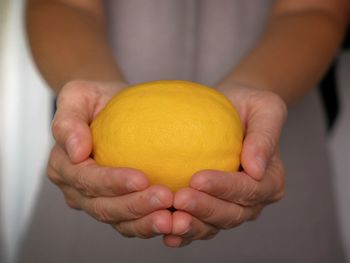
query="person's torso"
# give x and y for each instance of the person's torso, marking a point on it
(183, 39)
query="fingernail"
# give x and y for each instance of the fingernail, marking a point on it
(155, 202)
(130, 186)
(133, 185)
(72, 143)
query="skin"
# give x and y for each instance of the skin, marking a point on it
(304, 35)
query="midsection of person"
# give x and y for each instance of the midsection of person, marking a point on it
(194, 40)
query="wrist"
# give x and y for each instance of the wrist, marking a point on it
(229, 84)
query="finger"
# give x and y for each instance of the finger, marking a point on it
(70, 126)
(72, 197)
(189, 227)
(240, 188)
(117, 209)
(211, 210)
(114, 210)
(91, 179)
(176, 241)
(264, 124)
(52, 172)
(275, 180)
(156, 223)
(172, 241)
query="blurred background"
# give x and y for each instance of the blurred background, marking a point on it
(25, 115)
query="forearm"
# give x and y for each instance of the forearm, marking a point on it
(69, 43)
(292, 54)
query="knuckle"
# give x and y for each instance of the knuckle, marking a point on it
(122, 231)
(61, 125)
(267, 142)
(53, 158)
(252, 192)
(279, 195)
(81, 183)
(249, 193)
(240, 216)
(143, 228)
(78, 88)
(142, 235)
(284, 110)
(211, 234)
(69, 197)
(70, 202)
(108, 181)
(132, 229)
(207, 233)
(277, 105)
(74, 86)
(99, 210)
(256, 213)
(279, 184)
(57, 124)
(133, 211)
(208, 212)
(261, 97)
(228, 190)
(53, 176)
(273, 98)
(235, 220)
(280, 105)
(52, 169)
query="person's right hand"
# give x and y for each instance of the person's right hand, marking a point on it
(120, 197)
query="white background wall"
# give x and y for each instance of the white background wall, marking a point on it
(24, 124)
(25, 108)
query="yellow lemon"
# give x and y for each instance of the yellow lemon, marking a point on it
(168, 129)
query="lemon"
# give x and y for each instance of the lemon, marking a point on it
(168, 129)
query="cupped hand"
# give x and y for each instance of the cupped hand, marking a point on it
(120, 197)
(219, 200)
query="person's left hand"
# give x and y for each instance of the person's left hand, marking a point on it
(218, 200)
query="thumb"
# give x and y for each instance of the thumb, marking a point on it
(264, 123)
(70, 126)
